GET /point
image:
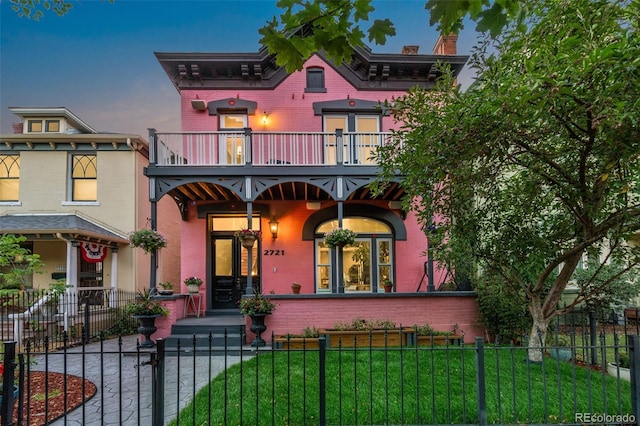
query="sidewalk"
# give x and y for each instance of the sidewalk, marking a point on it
(117, 400)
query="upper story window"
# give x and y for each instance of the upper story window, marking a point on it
(43, 126)
(315, 80)
(84, 177)
(9, 177)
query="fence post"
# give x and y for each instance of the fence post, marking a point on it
(480, 382)
(634, 365)
(7, 383)
(322, 346)
(157, 383)
(86, 330)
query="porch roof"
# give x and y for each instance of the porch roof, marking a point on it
(60, 226)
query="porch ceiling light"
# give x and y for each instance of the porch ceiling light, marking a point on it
(273, 227)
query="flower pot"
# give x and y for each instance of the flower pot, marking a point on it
(248, 242)
(146, 327)
(165, 292)
(614, 370)
(388, 288)
(193, 288)
(561, 354)
(295, 288)
(258, 327)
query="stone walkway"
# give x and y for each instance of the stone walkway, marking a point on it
(118, 377)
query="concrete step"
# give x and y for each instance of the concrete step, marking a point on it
(208, 331)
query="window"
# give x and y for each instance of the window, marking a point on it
(52, 126)
(84, 177)
(9, 177)
(231, 147)
(365, 265)
(315, 80)
(49, 126)
(361, 137)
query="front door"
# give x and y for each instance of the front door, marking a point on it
(229, 270)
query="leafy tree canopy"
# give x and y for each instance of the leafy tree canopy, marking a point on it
(537, 164)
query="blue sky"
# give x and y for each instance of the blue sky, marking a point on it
(98, 60)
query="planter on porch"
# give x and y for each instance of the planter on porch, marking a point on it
(364, 338)
(147, 327)
(287, 342)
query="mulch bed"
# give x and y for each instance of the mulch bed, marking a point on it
(40, 409)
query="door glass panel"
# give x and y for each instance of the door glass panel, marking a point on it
(366, 138)
(331, 124)
(224, 258)
(233, 223)
(232, 146)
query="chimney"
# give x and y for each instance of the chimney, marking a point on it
(446, 45)
(17, 128)
(410, 50)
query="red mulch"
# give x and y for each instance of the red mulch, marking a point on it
(36, 403)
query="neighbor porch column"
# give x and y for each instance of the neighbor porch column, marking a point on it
(249, 289)
(114, 277)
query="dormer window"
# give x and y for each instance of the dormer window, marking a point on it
(43, 126)
(315, 80)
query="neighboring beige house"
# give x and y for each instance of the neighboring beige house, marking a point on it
(75, 194)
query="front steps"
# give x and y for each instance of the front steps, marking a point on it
(220, 333)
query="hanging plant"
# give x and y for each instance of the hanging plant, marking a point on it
(147, 239)
(340, 237)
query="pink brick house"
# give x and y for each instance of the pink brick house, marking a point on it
(262, 149)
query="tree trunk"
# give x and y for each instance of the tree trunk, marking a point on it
(538, 331)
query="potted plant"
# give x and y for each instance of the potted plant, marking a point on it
(340, 237)
(147, 239)
(620, 367)
(428, 336)
(193, 284)
(247, 237)
(295, 288)
(308, 339)
(257, 307)
(145, 309)
(165, 288)
(560, 347)
(363, 333)
(388, 286)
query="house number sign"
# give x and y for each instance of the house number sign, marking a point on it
(273, 253)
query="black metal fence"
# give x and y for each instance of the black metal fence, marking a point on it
(479, 383)
(33, 317)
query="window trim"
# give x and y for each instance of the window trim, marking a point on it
(15, 162)
(320, 87)
(72, 179)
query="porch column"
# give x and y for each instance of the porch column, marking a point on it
(249, 289)
(154, 253)
(72, 274)
(114, 277)
(339, 256)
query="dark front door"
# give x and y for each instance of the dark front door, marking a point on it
(229, 271)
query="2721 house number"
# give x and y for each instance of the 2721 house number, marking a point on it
(273, 253)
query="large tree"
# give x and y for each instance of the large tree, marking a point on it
(537, 165)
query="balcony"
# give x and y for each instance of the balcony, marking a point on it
(268, 149)
(248, 165)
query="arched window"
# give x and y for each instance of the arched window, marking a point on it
(362, 267)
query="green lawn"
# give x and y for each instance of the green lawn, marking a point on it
(412, 386)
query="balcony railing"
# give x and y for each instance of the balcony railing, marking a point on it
(246, 147)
